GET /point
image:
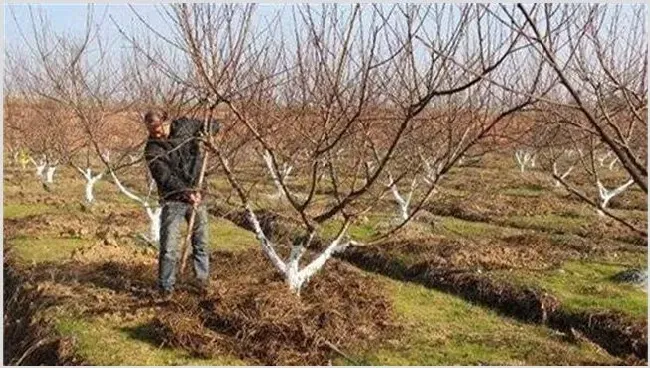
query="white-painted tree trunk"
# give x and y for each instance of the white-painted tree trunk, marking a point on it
(40, 171)
(611, 164)
(524, 159)
(606, 195)
(154, 211)
(154, 223)
(601, 159)
(369, 166)
(267, 246)
(564, 175)
(284, 173)
(90, 185)
(44, 170)
(403, 203)
(431, 174)
(49, 174)
(40, 168)
(91, 180)
(107, 155)
(295, 277)
(317, 264)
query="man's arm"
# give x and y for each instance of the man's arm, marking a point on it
(185, 127)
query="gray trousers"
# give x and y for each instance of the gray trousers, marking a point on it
(173, 213)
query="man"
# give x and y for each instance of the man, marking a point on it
(174, 158)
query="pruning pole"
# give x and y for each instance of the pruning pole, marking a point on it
(204, 165)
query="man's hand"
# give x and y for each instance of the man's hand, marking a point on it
(195, 198)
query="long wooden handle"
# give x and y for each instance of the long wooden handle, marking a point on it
(187, 240)
(190, 229)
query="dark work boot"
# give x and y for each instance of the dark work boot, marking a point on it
(166, 295)
(202, 286)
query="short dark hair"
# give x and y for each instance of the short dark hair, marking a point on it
(152, 115)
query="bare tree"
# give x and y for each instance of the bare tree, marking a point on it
(348, 84)
(600, 96)
(571, 150)
(596, 54)
(524, 159)
(78, 85)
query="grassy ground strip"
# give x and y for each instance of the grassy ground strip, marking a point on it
(438, 331)
(87, 296)
(586, 285)
(105, 306)
(618, 335)
(528, 304)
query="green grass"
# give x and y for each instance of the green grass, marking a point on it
(362, 232)
(451, 192)
(550, 223)
(526, 190)
(359, 231)
(470, 228)
(440, 329)
(624, 256)
(117, 342)
(15, 210)
(446, 330)
(587, 286)
(224, 235)
(31, 250)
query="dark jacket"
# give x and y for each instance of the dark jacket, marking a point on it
(175, 161)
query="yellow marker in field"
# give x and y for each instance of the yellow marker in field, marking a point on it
(23, 158)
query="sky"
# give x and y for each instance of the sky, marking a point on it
(72, 17)
(68, 17)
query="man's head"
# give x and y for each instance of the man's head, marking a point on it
(157, 124)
